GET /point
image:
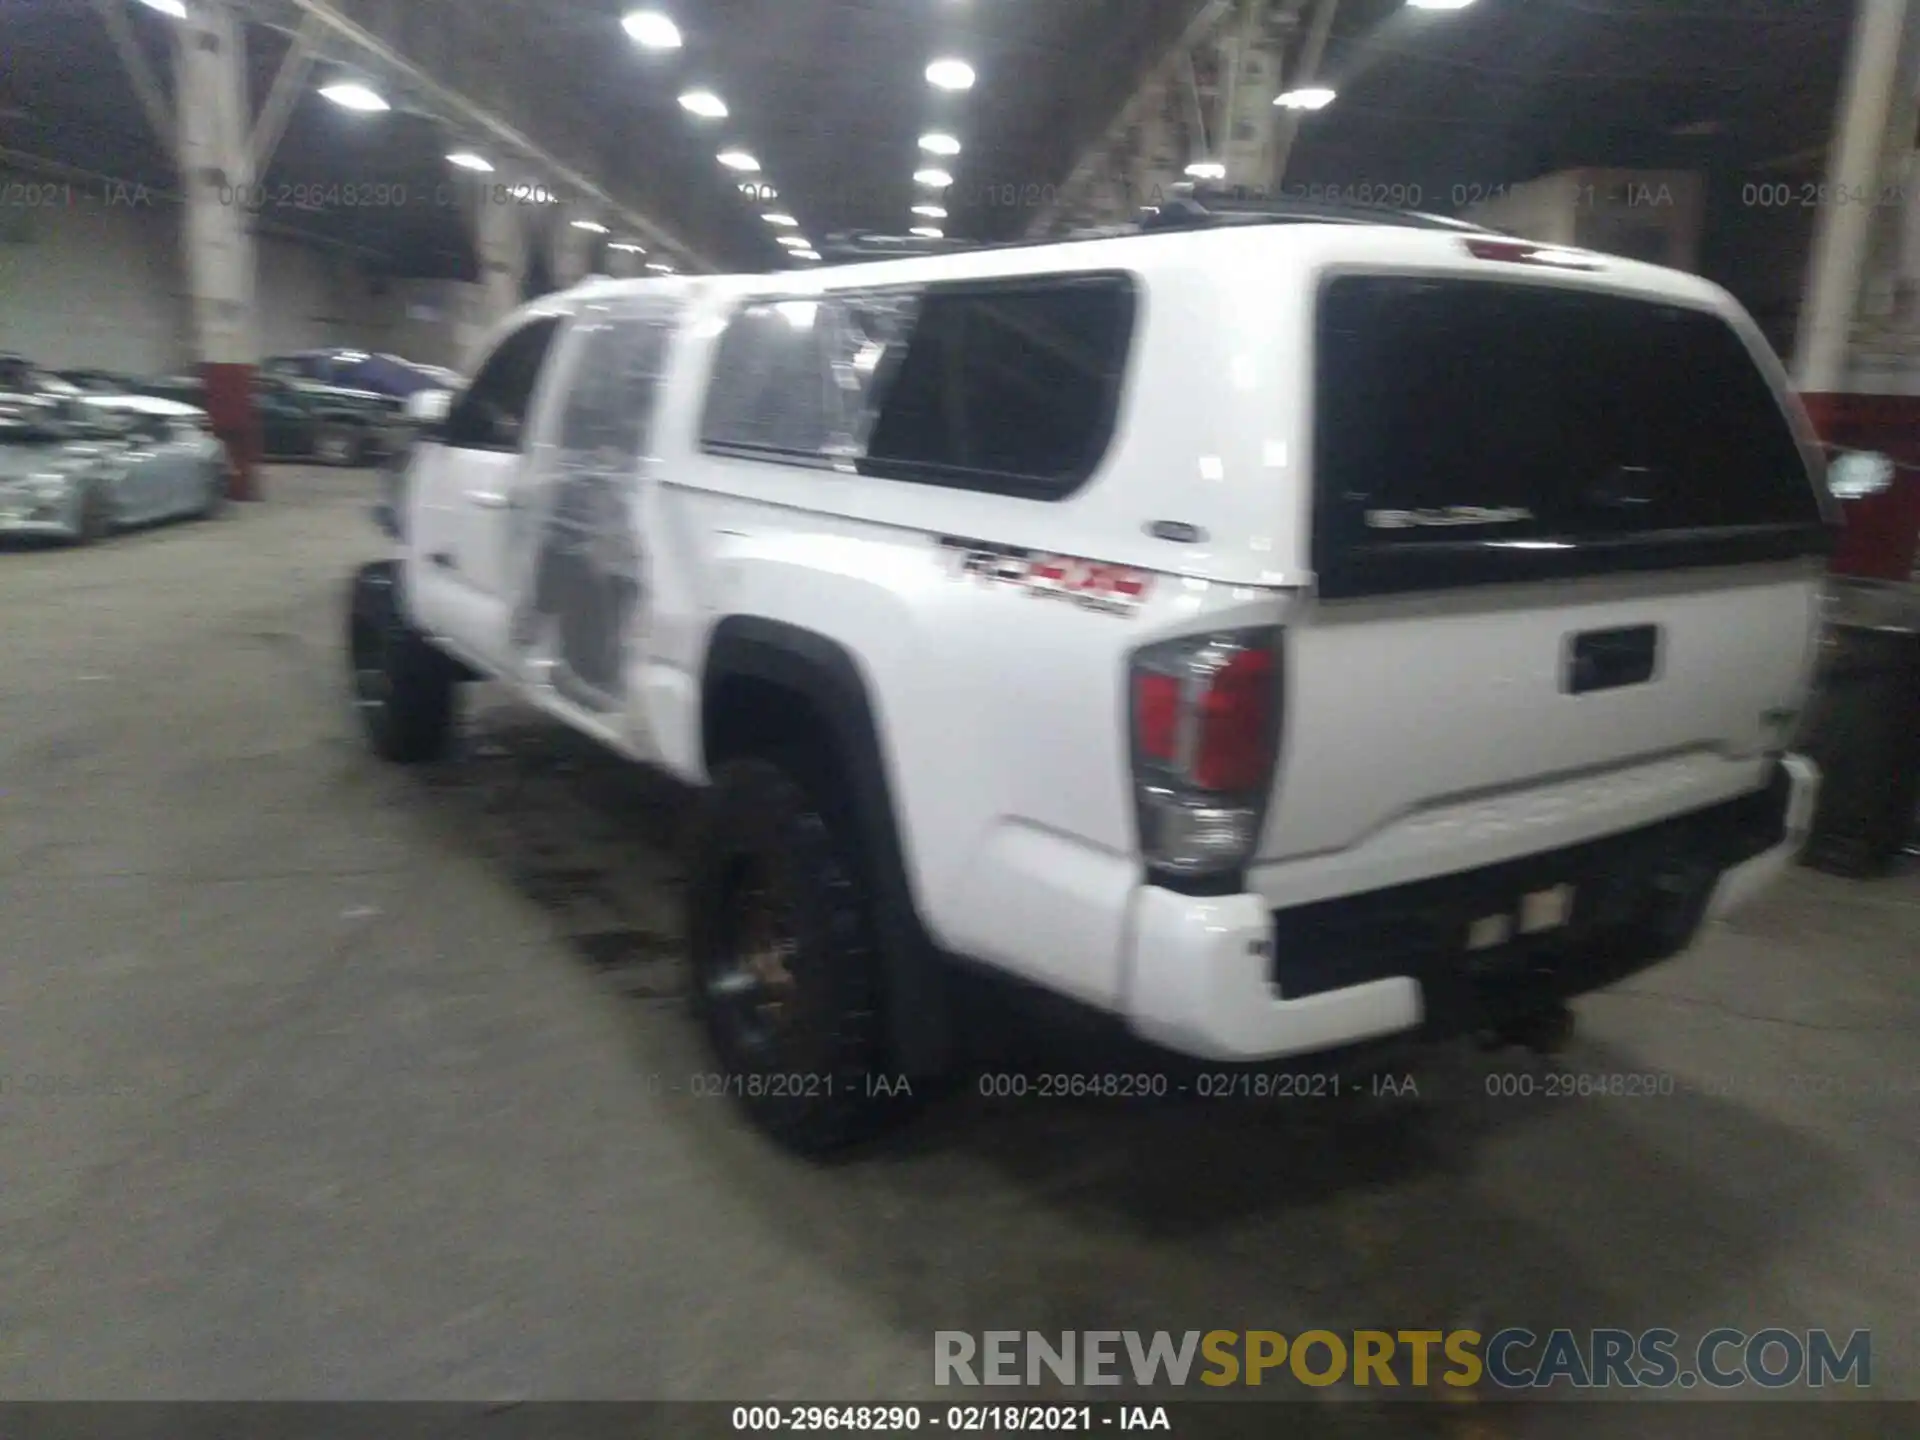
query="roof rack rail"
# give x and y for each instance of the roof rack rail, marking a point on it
(849, 245)
(1186, 207)
(1193, 207)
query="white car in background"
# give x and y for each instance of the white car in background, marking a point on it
(77, 469)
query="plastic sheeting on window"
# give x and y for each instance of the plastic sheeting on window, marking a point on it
(867, 336)
(798, 377)
(582, 578)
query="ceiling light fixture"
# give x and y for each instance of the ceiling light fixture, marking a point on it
(738, 160)
(705, 104)
(774, 217)
(932, 212)
(759, 190)
(1207, 170)
(627, 247)
(176, 8)
(794, 242)
(651, 30)
(806, 254)
(467, 160)
(938, 144)
(591, 226)
(950, 74)
(659, 267)
(1314, 97)
(349, 95)
(928, 232)
(935, 179)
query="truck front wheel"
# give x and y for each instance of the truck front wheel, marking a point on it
(403, 688)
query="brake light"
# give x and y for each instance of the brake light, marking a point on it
(1234, 750)
(1206, 722)
(1526, 252)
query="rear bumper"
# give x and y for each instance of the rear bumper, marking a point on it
(1744, 882)
(1227, 978)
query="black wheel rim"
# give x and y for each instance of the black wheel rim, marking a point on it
(752, 988)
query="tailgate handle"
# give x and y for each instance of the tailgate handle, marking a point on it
(1611, 659)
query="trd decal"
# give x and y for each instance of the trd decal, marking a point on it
(1091, 584)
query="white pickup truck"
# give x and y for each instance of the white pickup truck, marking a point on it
(1277, 632)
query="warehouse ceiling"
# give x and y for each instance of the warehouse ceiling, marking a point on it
(1506, 90)
(830, 97)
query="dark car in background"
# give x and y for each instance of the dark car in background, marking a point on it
(301, 420)
(362, 370)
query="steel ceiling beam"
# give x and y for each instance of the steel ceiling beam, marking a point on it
(146, 85)
(455, 106)
(288, 81)
(1305, 73)
(1097, 156)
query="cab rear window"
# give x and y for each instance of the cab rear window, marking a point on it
(1472, 431)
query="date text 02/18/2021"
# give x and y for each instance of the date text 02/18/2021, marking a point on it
(959, 1419)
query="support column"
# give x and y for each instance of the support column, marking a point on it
(1840, 241)
(500, 245)
(1249, 124)
(214, 131)
(572, 249)
(1158, 161)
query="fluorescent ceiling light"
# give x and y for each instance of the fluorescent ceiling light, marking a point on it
(794, 242)
(659, 268)
(937, 179)
(651, 29)
(938, 144)
(467, 160)
(929, 232)
(1439, 4)
(1207, 170)
(738, 160)
(950, 74)
(1314, 97)
(592, 225)
(350, 96)
(806, 254)
(759, 190)
(176, 8)
(774, 217)
(932, 212)
(705, 104)
(627, 247)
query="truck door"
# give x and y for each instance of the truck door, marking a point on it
(465, 486)
(576, 553)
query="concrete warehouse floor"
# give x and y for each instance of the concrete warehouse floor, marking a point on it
(325, 1079)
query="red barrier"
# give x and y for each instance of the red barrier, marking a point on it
(236, 421)
(1881, 540)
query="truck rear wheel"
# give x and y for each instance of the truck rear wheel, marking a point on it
(785, 973)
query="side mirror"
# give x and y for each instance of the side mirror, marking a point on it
(429, 407)
(1857, 474)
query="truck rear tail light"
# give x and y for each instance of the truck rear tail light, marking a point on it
(1206, 730)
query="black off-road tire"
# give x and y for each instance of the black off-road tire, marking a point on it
(404, 688)
(769, 832)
